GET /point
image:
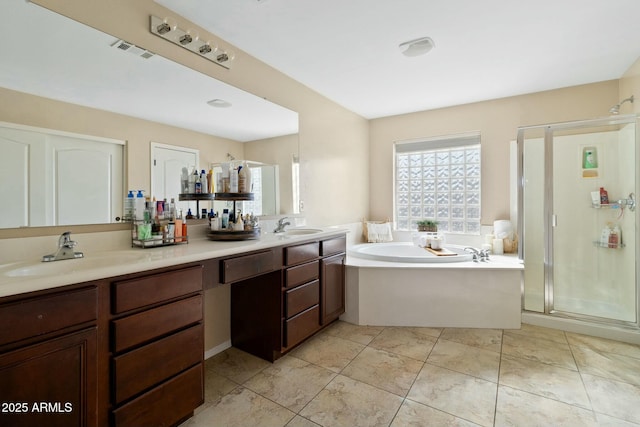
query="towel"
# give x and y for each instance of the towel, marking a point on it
(378, 233)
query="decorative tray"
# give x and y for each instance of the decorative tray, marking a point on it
(230, 235)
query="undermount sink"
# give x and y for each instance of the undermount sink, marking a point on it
(302, 231)
(68, 266)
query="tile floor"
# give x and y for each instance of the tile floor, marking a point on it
(355, 376)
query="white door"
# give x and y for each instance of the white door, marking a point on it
(166, 172)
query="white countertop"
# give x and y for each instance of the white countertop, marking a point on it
(99, 265)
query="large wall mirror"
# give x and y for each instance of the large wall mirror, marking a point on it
(80, 66)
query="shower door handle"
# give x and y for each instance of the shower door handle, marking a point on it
(554, 220)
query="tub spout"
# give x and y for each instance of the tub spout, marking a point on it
(478, 255)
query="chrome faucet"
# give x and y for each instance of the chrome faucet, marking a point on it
(478, 255)
(65, 249)
(281, 225)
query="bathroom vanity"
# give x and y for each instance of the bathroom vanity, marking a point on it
(128, 349)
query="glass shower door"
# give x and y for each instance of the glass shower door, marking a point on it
(589, 272)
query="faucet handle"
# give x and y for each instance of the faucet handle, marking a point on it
(65, 240)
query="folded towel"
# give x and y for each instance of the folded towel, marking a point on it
(378, 233)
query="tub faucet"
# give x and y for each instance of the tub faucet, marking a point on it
(65, 249)
(281, 225)
(478, 255)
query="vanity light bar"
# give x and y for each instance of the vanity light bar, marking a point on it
(190, 41)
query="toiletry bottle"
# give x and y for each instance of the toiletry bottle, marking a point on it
(198, 184)
(178, 229)
(204, 181)
(614, 238)
(242, 179)
(604, 196)
(604, 237)
(210, 185)
(139, 205)
(225, 218)
(233, 180)
(184, 231)
(129, 206)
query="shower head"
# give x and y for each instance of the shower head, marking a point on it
(616, 108)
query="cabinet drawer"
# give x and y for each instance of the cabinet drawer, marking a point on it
(158, 361)
(141, 327)
(37, 316)
(301, 298)
(301, 253)
(302, 326)
(300, 274)
(244, 267)
(166, 404)
(333, 246)
(155, 288)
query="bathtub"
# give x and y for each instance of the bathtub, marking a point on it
(397, 284)
(408, 252)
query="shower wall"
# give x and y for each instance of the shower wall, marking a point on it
(566, 270)
(587, 278)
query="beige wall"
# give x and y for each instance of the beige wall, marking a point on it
(630, 85)
(333, 140)
(497, 121)
(277, 151)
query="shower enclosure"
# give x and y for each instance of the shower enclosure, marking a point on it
(580, 253)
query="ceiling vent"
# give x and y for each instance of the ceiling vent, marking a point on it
(132, 48)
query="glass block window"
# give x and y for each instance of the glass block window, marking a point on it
(439, 179)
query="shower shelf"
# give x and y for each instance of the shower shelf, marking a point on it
(629, 203)
(599, 244)
(606, 206)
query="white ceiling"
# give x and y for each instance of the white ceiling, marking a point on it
(485, 49)
(76, 64)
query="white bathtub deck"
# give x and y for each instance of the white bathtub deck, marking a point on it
(463, 294)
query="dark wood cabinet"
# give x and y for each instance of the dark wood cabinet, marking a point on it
(129, 350)
(157, 344)
(274, 312)
(49, 365)
(332, 287)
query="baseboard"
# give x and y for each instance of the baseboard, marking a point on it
(217, 349)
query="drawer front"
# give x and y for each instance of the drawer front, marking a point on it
(37, 316)
(301, 253)
(298, 328)
(301, 298)
(166, 404)
(300, 274)
(158, 361)
(333, 246)
(155, 288)
(244, 267)
(142, 327)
